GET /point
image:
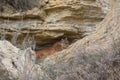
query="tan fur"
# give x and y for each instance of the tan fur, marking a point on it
(58, 46)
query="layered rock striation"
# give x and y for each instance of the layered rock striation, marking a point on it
(49, 20)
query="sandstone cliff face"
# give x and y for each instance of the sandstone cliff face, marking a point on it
(94, 56)
(53, 19)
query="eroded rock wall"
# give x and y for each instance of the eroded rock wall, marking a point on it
(52, 19)
(95, 57)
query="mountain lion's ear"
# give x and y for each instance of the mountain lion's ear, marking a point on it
(62, 40)
(66, 39)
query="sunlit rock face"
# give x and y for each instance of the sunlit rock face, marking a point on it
(52, 19)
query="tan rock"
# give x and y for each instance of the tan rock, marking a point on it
(92, 56)
(96, 56)
(55, 19)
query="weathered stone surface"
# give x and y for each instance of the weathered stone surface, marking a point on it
(95, 57)
(35, 13)
(54, 19)
(82, 14)
(7, 52)
(92, 56)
